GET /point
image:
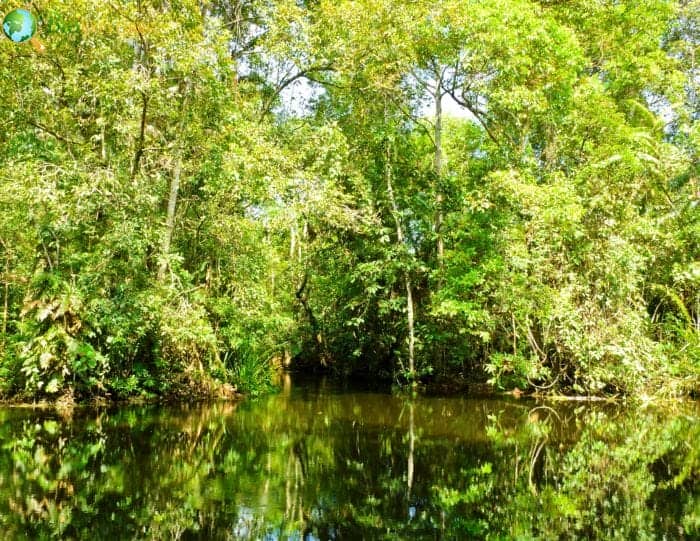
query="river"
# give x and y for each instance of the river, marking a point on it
(320, 460)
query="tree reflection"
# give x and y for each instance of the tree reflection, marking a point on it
(324, 465)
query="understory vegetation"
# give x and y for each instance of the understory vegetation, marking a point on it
(195, 193)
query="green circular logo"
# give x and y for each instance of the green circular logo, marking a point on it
(19, 25)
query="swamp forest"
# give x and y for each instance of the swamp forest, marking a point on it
(195, 193)
(350, 269)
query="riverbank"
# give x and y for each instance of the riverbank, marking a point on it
(211, 390)
(181, 394)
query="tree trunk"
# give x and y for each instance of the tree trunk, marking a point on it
(320, 346)
(438, 163)
(170, 220)
(411, 334)
(438, 173)
(173, 194)
(409, 288)
(292, 241)
(142, 137)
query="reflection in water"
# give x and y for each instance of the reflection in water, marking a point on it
(317, 462)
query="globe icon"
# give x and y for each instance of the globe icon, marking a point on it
(19, 25)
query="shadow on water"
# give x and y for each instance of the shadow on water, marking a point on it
(323, 461)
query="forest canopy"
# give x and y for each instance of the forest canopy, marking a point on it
(193, 193)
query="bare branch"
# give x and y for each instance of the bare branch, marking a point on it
(288, 81)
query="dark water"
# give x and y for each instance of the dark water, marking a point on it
(320, 462)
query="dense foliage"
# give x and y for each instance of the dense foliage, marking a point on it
(195, 191)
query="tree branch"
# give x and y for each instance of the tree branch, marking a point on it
(142, 135)
(477, 114)
(286, 82)
(53, 133)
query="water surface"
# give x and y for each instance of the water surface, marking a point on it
(318, 461)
